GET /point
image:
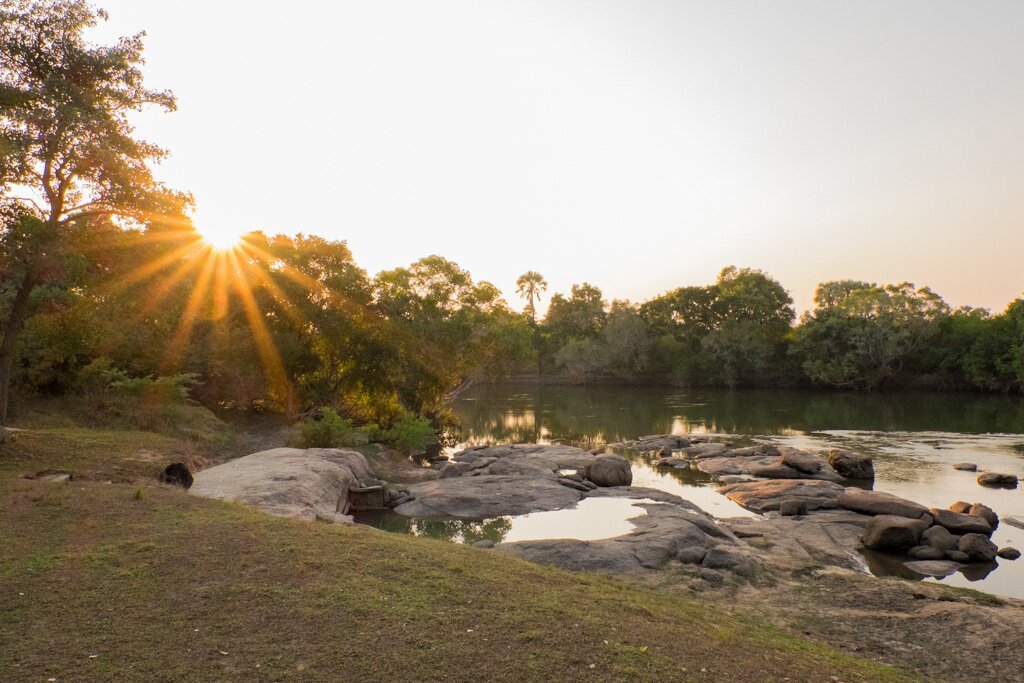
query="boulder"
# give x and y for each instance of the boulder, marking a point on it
(851, 465)
(609, 470)
(986, 513)
(960, 523)
(965, 466)
(289, 482)
(762, 496)
(960, 506)
(997, 480)
(879, 503)
(720, 557)
(893, 533)
(957, 556)
(1008, 553)
(452, 470)
(939, 537)
(978, 548)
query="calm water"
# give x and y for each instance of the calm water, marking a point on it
(913, 437)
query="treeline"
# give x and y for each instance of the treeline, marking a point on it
(742, 331)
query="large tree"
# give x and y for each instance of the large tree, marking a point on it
(529, 286)
(69, 158)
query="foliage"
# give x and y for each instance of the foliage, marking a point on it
(409, 433)
(329, 431)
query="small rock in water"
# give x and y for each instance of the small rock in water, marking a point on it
(851, 465)
(1008, 553)
(1014, 521)
(960, 523)
(997, 480)
(893, 533)
(965, 466)
(939, 537)
(961, 507)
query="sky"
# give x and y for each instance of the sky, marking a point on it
(638, 145)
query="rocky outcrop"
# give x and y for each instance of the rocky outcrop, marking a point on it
(482, 497)
(288, 482)
(766, 495)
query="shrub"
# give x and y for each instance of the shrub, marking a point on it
(330, 431)
(409, 433)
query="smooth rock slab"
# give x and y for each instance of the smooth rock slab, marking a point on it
(762, 496)
(879, 503)
(483, 497)
(288, 482)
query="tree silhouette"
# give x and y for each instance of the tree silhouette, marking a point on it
(529, 286)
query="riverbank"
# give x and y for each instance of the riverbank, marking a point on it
(134, 579)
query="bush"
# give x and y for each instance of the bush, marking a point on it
(409, 433)
(330, 431)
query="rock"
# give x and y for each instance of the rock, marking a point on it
(485, 543)
(792, 508)
(851, 465)
(939, 537)
(879, 503)
(996, 480)
(800, 461)
(960, 523)
(893, 533)
(693, 554)
(1008, 553)
(960, 506)
(926, 552)
(288, 482)
(707, 449)
(771, 451)
(727, 558)
(762, 496)
(654, 443)
(177, 474)
(936, 568)
(965, 466)
(487, 496)
(658, 538)
(573, 484)
(957, 556)
(986, 513)
(712, 576)
(1014, 521)
(609, 470)
(978, 547)
(452, 470)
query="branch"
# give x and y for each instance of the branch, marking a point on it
(32, 202)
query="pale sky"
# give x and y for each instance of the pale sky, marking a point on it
(633, 144)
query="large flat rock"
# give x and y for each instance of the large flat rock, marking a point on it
(483, 497)
(288, 482)
(769, 494)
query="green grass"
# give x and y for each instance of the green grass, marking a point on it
(97, 583)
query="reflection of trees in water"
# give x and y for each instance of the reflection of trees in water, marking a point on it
(608, 414)
(455, 530)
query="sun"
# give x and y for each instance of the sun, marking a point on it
(220, 238)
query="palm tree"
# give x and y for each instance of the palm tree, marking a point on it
(529, 286)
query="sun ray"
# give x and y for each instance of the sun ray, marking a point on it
(176, 347)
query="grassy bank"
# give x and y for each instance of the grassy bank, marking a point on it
(132, 580)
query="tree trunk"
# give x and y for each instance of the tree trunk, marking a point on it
(15, 321)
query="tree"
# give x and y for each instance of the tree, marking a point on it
(529, 286)
(70, 159)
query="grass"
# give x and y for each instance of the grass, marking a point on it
(133, 580)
